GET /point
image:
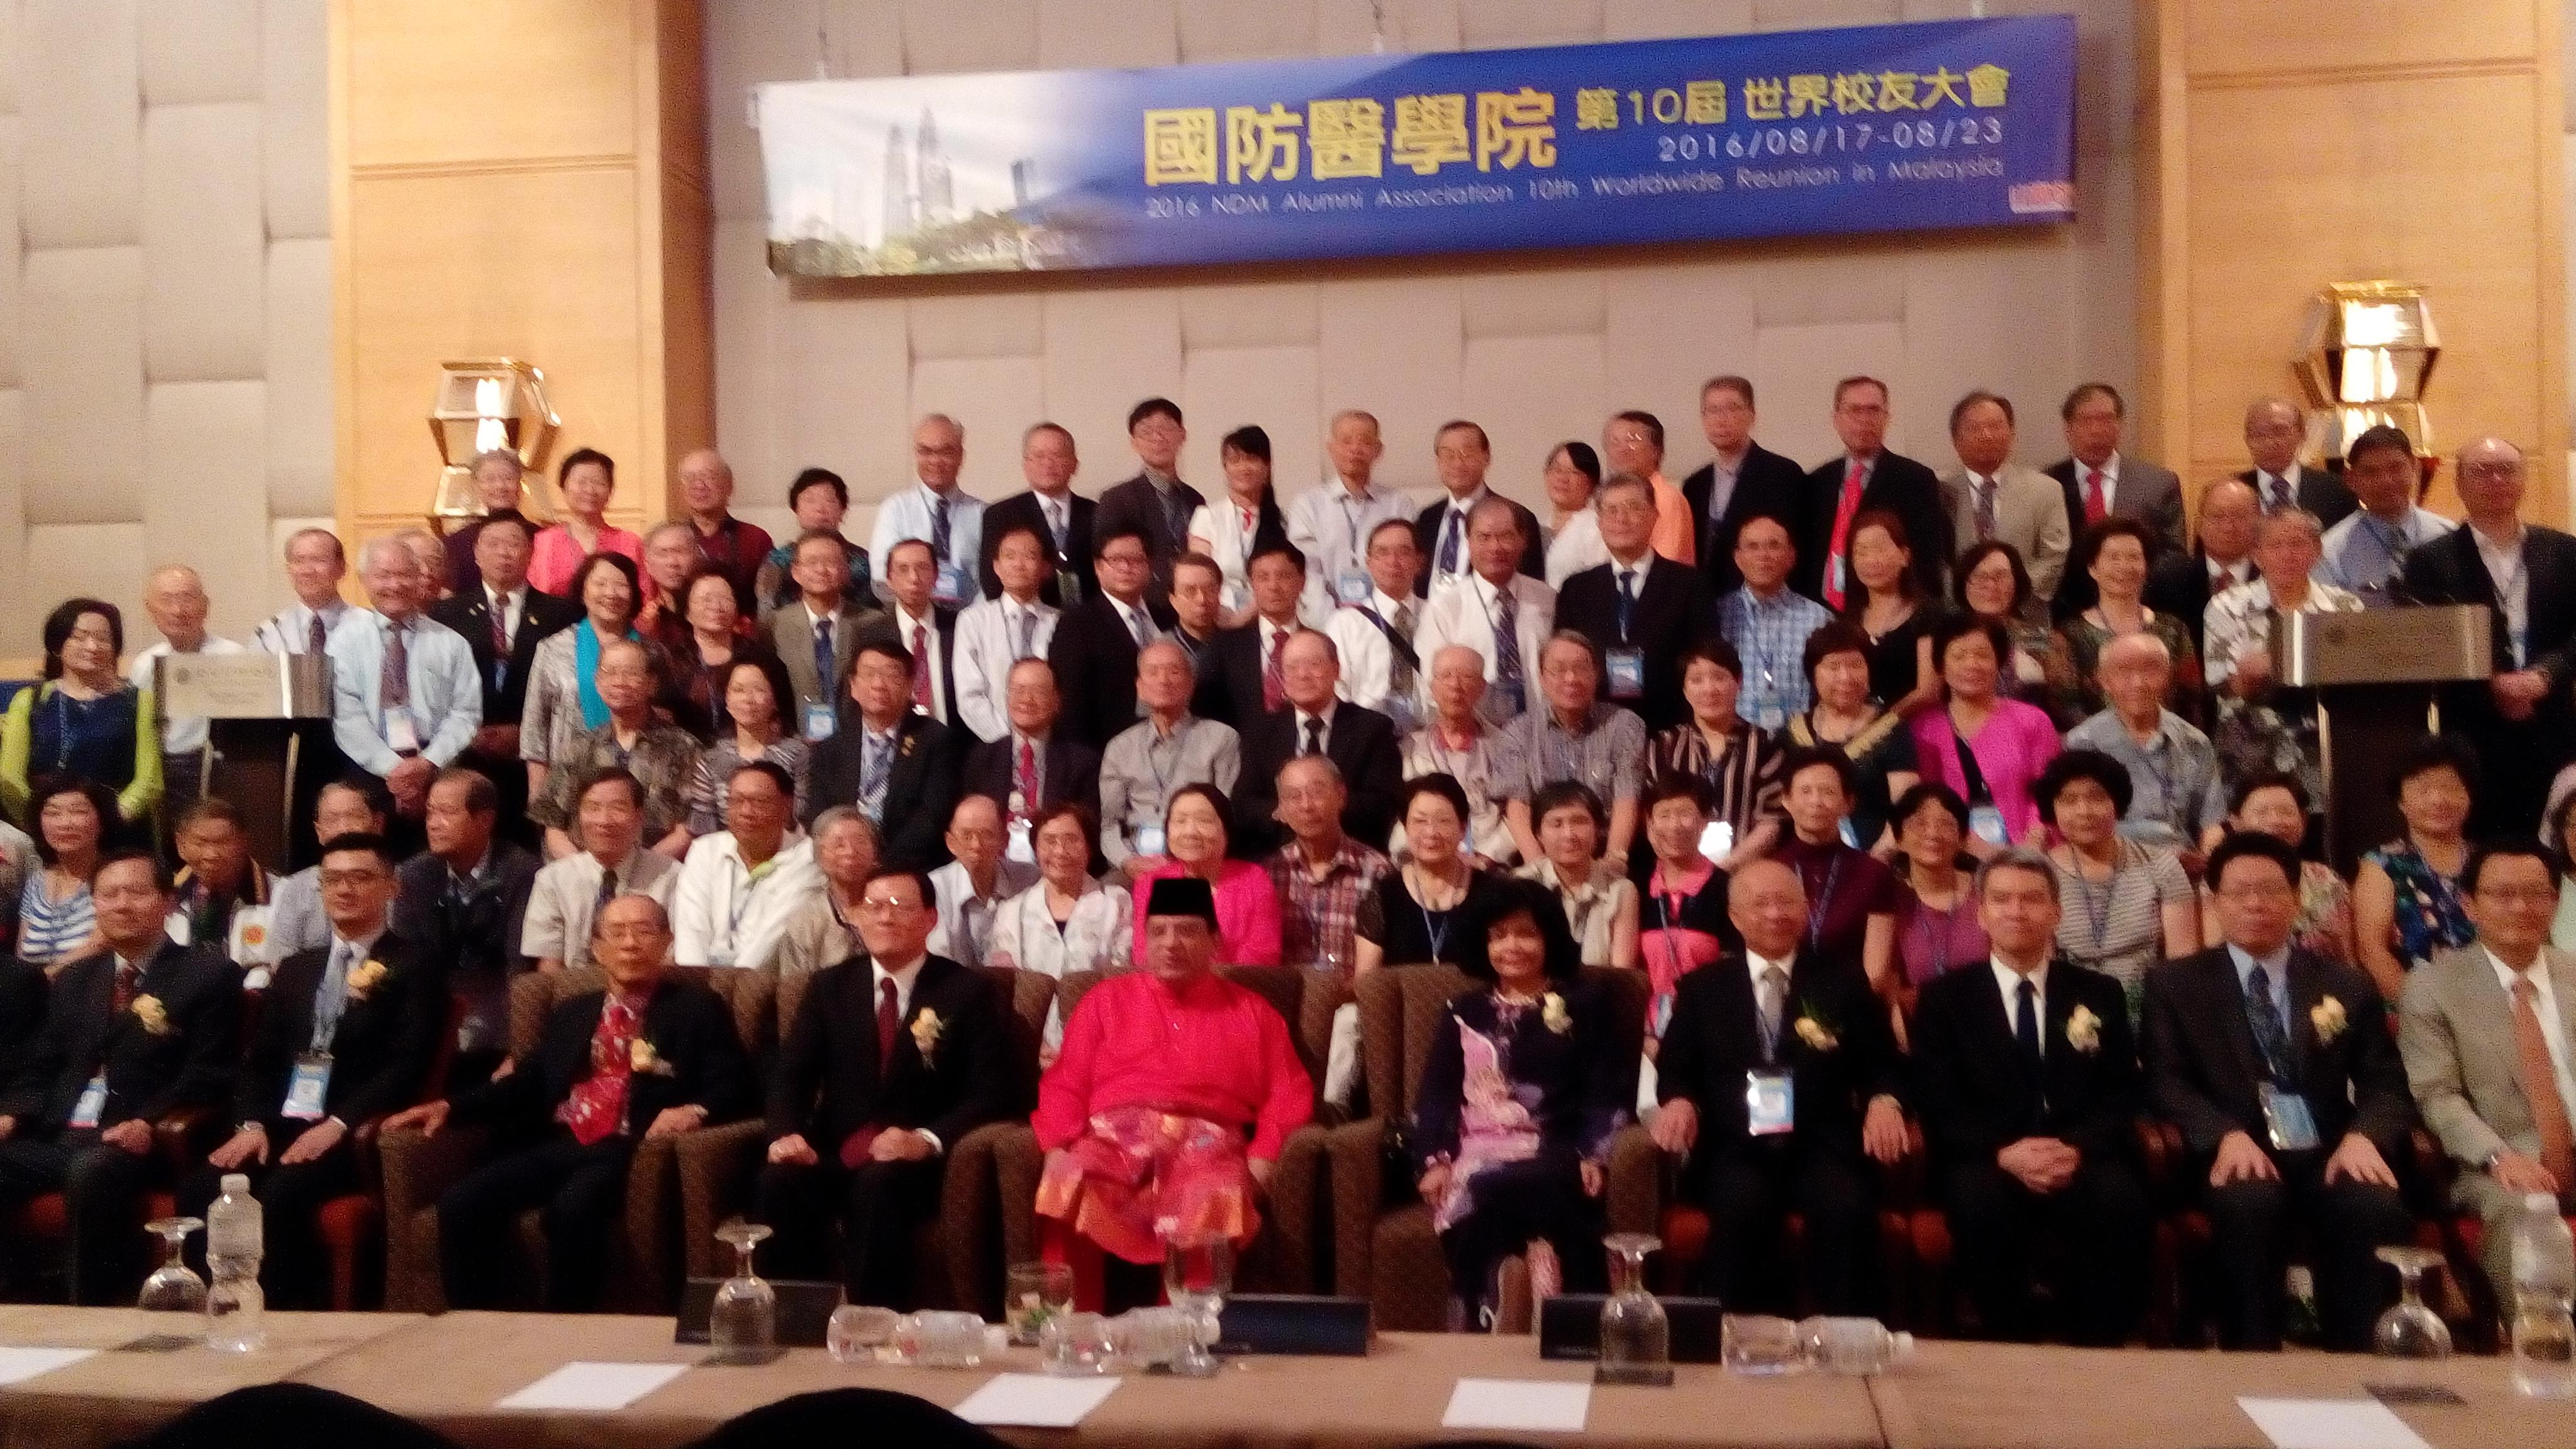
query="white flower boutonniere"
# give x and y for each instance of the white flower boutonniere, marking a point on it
(641, 1058)
(925, 1034)
(1553, 1015)
(1817, 1035)
(364, 980)
(2328, 1018)
(2084, 1031)
(154, 1016)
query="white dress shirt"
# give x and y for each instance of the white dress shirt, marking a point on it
(720, 916)
(1455, 511)
(510, 608)
(292, 629)
(988, 644)
(943, 689)
(2008, 981)
(182, 733)
(1466, 614)
(1368, 658)
(965, 930)
(1331, 526)
(909, 515)
(1757, 966)
(565, 897)
(2553, 1027)
(446, 691)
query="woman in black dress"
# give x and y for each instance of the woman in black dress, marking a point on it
(1434, 908)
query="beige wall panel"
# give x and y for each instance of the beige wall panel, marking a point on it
(1107, 351)
(1348, 27)
(844, 396)
(1820, 14)
(738, 57)
(993, 398)
(1971, 321)
(1260, 314)
(973, 325)
(295, 115)
(473, 266)
(15, 595)
(1393, 347)
(204, 246)
(1081, 34)
(1821, 286)
(78, 93)
(408, 58)
(2277, 34)
(1274, 387)
(91, 560)
(205, 491)
(1530, 393)
(1493, 24)
(12, 258)
(1215, 30)
(750, 315)
(12, 43)
(201, 52)
(1794, 371)
(940, 36)
(83, 360)
(1536, 303)
(1674, 19)
(1671, 329)
(866, 35)
(298, 371)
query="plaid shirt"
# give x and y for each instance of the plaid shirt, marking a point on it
(664, 760)
(1320, 915)
(1534, 751)
(1772, 639)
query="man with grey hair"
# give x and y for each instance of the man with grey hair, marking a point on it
(1316, 720)
(1321, 874)
(2260, 722)
(2176, 797)
(2027, 1086)
(176, 599)
(499, 487)
(1157, 755)
(405, 698)
(1332, 525)
(2275, 430)
(1569, 733)
(1495, 609)
(937, 511)
(726, 544)
(315, 564)
(825, 930)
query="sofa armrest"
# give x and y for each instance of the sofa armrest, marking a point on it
(652, 1226)
(1297, 1207)
(1634, 1196)
(973, 1206)
(716, 1166)
(184, 1135)
(1355, 1167)
(418, 1169)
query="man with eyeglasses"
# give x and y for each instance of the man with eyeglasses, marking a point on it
(939, 512)
(892, 1058)
(464, 901)
(1640, 609)
(1097, 641)
(740, 886)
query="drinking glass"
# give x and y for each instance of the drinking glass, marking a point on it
(1078, 1345)
(940, 1338)
(1197, 1271)
(1037, 1294)
(858, 1331)
(742, 1323)
(2409, 1329)
(1761, 1344)
(1636, 1340)
(172, 1288)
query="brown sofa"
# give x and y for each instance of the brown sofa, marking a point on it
(960, 1254)
(643, 1274)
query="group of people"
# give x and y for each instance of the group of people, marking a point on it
(1969, 797)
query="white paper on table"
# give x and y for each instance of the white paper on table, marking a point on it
(2330, 1424)
(605, 1387)
(1518, 1404)
(17, 1365)
(1034, 1401)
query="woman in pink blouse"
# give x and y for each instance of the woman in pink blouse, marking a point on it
(1247, 904)
(1988, 748)
(586, 481)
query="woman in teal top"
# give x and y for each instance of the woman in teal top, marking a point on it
(2406, 898)
(83, 719)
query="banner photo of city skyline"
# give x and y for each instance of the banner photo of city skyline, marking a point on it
(1962, 123)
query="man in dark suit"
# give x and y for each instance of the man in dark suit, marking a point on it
(1778, 1075)
(1745, 480)
(2027, 1078)
(1461, 453)
(23, 989)
(1868, 476)
(1360, 742)
(503, 620)
(1034, 754)
(2101, 482)
(896, 764)
(817, 633)
(2280, 1071)
(349, 1033)
(2519, 719)
(648, 1057)
(2275, 430)
(1097, 640)
(922, 627)
(1244, 660)
(2182, 584)
(135, 1031)
(1155, 505)
(463, 902)
(892, 1059)
(1640, 610)
(1198, 603)
(1061, 517)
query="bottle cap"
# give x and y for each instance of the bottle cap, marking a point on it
(236, 1184)
(1900, 1346)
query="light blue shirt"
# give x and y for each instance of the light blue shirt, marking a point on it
(2364, 553)
(446, 691)
(2278, 964)
(908, 515)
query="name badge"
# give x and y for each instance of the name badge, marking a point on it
(820, 721)
(2292, 1126)
(1149, 840)
(1352, 587)
(1987, 824)
(400, 734)
(1627, 665)
(1023, 848)
(307, 1088)
(953, 584)
(1770, 1103)
(1068, 587)
(93, 1102)
(1717, 841)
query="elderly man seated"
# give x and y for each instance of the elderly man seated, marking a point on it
(1166, 1109)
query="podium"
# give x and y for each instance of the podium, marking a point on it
(2373, 673)
(268, 745)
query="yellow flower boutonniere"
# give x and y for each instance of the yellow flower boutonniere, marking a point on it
(1553, 1015)
(154, 1016)
(2084, 1031)
(364, 979)
(905, 749)
(640, 1057)
(1816, 1034)
(2328, 1018)
(925, 1034)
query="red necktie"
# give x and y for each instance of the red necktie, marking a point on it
(1843, 511)
(921, 667)
(888, 1018)
(1026, 783)
(596, 1107)
(126, 976)
(2096, 506)
(1274, 679)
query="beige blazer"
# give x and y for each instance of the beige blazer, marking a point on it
(2455, 1030)
(791, 633)
(2030, 514)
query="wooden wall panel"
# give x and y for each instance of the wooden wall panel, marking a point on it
(435, 81)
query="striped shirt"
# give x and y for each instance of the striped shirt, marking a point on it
(51, 929)
(1745, 776)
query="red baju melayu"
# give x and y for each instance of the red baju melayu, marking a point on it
(1161, 1096)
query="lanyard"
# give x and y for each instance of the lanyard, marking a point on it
(1438, 933)
(1823, 904)
(2099, 919)
(1949, 923)
(1741, 748)
(1354, 546)
(2164, 782)
(1180, 743)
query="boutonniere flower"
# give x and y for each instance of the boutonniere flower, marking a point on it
(1817, 1035)
(905, 749)
(364, 979)
(925, 1033)
(1553, 1015)
(154, 1016)
(640, 1057)
(2084, 1031)
(2328, 1018)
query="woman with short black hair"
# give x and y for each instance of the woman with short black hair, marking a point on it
(82, 718)
(2127, 906)
(2406, 899)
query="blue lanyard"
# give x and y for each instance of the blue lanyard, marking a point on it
(1823, 902)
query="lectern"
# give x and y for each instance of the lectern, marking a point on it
(2373, 673)
(269, 721)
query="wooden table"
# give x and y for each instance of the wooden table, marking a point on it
(115, 1395)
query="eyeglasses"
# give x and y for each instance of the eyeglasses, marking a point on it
(885, 903)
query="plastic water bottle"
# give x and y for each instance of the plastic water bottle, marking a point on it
(2544, 1285)
(233, 1246)
(1853, 1345)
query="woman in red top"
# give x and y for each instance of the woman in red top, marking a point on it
(1247, 904)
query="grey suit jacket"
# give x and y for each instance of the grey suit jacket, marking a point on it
(791, 633)
(2030, 514)
(2147, 492)
(2455, 1030)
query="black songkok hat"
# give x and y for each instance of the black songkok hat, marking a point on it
(1184, 895)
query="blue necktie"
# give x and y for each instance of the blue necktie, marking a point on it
(333, 998)
(2263, 1014)
(1627, 601)
(876, 767)
(939, 529)
(825, 676)
(1448, 561)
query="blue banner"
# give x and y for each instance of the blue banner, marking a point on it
(1882, 128)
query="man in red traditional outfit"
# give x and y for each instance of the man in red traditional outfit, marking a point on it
(1166, 1109)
